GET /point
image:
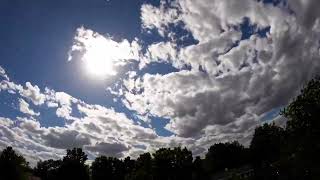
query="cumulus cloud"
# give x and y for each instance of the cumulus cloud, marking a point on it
(99, 130)
(153, 17)
(33, 93)
(232, 81)
(24, 108)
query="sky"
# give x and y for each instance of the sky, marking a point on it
(124, 77)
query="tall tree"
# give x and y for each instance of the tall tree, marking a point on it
(198, 170)
(142, 169)
(73, 165)
(107, 168)
(48, 170)
(12, 165)
(303, 127)
(267, 143)
(172, 164)
(266, 150)
(223, 156)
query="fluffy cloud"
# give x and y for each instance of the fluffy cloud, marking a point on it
(153, 17)
(24, 108)
(99, 130)
(33, 93)
(232, 81)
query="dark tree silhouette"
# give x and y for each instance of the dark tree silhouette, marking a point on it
(198, 170)
(303, 128)
(172, 164)
(266, 144)
(128, 165)
(48, 170)
(142, 169)
(12, 165)
(224, 156)
(73, 165)
(265, 149)
(107, 168)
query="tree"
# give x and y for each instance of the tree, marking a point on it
(266, 149)
(266, 144)
(48, 170)
(107, 168)
(223, 156)
(73, 165)
(172, 164)
(198, 171)
(128, 165)
(12, 165)
(303, 128)
(142, 168)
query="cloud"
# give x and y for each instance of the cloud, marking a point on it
(234, 78)
(232, 81)
(33, 93)
(162, 52)
(108, 149)
(24, 108)
(3, 74)
(153, 17)
(95, 130)
(103, 51)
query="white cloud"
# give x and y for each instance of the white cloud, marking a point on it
(24, 108)
(238, 83)
(241, 81)
(153, 17)
(3, 74)
(33, 93)
(163, 52)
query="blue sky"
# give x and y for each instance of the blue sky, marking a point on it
(184, 73)
(36, 37)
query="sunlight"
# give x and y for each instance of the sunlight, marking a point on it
(99, 62)
(101, 55)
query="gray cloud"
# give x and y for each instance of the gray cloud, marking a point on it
(108, 149)
(238, 85)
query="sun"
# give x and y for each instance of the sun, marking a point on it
(98, 61)
(101, 56)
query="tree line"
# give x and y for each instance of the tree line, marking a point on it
(275, 153)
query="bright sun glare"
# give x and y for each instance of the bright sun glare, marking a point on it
(102, 56)
(98, 63)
